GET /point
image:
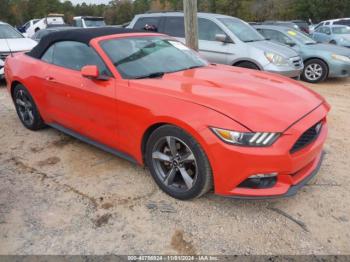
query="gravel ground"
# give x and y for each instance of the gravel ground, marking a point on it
(61, 196)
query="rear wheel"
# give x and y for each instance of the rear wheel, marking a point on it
(177, 163)
(247, 64)
(315, 71)
(333, 42)
(26, 109)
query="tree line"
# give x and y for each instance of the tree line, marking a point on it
(16, 12)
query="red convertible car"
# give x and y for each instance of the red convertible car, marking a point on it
(150, 99)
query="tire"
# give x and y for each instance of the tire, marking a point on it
(173, 173)
(26, 108)
(315, 71)
(36, 30)
(248, 65)
(333, 42)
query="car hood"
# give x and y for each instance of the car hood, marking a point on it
(17, 44)
(340, 50)
(269, 46)
(257, 100)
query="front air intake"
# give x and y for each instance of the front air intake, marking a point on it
(307, 137)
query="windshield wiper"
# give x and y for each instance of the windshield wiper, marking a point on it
(255, 40)
(152, 75)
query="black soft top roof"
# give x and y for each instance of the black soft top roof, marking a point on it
(79, 35)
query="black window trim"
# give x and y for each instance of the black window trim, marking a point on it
(110, 74)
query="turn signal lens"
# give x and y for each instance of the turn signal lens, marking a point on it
(264, 175)
(259, 139)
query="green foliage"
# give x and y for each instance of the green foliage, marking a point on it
(17, 12)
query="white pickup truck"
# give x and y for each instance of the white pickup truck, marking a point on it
(50, 20)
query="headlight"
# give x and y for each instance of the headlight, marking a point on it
(342, 39)
(276, 59)
(341, 58)
(259, 139)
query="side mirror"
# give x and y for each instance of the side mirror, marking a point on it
(291, 44)
(92, 72)
(223, 38)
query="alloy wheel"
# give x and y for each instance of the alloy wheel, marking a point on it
(313, 72)
(174, 163)
(25, 107)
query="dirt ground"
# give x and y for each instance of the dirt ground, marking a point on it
(61, 196)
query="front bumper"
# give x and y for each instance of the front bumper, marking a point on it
(310, 172)
(232, 165)
(339, 69)
(285, 71)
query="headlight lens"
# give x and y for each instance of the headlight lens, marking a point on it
(276, 59)
(259, 139)
(342, 39)
(341, 58)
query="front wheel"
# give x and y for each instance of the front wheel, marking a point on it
(177, 163)
(26, 109)
(315, 71)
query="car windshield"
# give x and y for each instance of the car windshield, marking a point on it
(300, 37)
(242, 30)
(342, 30)
(148, 57)
(8, 32)
(94, 22)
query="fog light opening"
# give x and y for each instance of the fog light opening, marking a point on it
(260, 181)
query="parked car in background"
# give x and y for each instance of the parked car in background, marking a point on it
(283, 23)
(12, 41)
(303, 25)
(226, 40)
(50, 20)
(335, 34)
(41, 33)
(339, 21)
(88, 21)
(152, 100)
(320, 60)
(23, 29)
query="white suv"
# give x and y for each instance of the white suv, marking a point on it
(88, 21)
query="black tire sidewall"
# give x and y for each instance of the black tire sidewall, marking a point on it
(324, 70)
(203, 180)
(38, 122)
(248, 65)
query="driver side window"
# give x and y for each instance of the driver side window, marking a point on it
(207, 30)
(74, 55)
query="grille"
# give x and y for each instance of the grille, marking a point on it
(297, 62)
(307, 137)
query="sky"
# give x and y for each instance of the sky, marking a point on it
(74, 2)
